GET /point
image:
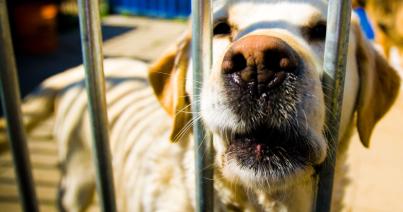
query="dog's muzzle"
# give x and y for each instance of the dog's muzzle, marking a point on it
(264, 84)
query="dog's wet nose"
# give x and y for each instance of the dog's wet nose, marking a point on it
(259, 61)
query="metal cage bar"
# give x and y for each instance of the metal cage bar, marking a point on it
(91, 43)
(201, 60)
(11, 101)
(337, 37)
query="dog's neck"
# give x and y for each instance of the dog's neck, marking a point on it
(294, 198)
(240, 198)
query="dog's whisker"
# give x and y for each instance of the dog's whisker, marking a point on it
(186, 128)
(189, 96)
(185, 108)
(201, 143)
(189, 125)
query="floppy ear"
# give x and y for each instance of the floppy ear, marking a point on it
(379, 86)
(167, 77)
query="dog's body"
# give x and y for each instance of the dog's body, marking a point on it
(134, 115)
(267, 120)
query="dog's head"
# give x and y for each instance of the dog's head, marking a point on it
(263, 99)
(387, 16)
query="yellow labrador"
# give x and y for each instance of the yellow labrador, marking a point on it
(263, 102)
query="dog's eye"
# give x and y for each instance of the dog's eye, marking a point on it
(383, 27)
(318, 32)
(222, 28)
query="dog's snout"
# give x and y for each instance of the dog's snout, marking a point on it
(259, 61)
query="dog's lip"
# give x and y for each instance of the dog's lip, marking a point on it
(264, 147)
(262, 140)
(262, 135)
(259, 146)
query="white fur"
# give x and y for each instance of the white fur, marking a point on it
(153, 175)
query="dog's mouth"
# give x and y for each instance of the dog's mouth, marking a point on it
(272, 153)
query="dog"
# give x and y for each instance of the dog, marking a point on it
(387, 20)
(262, 101)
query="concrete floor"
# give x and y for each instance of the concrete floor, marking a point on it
(375, 174)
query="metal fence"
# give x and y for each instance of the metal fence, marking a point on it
(335, 61)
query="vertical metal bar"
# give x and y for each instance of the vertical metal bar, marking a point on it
(10, 97)
(91, 42)
(201, 59)
(337, 37)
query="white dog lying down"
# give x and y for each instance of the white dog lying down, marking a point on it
(263, 102)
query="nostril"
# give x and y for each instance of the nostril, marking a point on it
(239, 62)
(233, 63)
(271, 60)
(279, 60)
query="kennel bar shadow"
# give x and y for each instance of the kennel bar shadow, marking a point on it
(333, 80)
